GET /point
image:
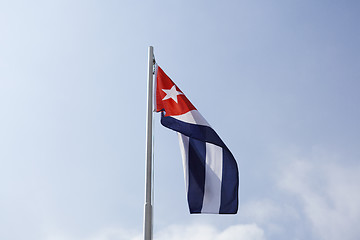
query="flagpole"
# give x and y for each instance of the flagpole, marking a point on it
(148, 162)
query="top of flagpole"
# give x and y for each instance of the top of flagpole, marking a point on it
(153, 55)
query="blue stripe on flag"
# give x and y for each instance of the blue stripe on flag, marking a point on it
(197, 156)
(229, 184)
(199, 135)
(200, 132)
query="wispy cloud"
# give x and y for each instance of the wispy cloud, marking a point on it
(180, 232)
(208, 232)
(328, 193)
(314, 197)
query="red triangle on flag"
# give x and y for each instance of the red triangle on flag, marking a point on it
(169, 98)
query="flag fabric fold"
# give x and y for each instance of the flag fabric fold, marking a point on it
(210, 169)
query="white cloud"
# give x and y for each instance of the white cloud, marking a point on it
(246, 232)
(317, 197)
(269, 215)
(116, 234)
(207, 232)
(261, 211)
(178, 232)
(329, 194)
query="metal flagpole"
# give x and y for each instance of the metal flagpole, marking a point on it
(148, 162)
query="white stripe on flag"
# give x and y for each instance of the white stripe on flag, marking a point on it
(213, 176)
(193, 117)
(184, 148)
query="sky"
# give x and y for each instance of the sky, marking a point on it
(277, 80)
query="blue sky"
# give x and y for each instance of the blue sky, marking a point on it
(278, 81)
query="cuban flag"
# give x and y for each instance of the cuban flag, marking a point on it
(210, 170)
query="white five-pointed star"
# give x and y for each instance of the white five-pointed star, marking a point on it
(171, 93)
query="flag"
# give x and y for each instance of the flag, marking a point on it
(210, 170)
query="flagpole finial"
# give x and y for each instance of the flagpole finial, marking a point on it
(153, 58)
